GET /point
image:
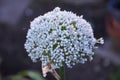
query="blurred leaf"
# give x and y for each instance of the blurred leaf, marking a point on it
(25, 75)
(116, 76)
(16, 77)
(32, 74)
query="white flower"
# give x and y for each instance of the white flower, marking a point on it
(60, 37)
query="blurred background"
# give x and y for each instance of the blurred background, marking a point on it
(103, 15)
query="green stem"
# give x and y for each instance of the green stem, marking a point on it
(62, 73)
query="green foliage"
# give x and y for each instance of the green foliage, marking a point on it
(116, 76)
(26, 75)
(62, 73)
(15, 77)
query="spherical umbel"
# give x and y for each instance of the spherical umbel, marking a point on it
(59, 37)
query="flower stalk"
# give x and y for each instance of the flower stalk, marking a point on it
(62, 73)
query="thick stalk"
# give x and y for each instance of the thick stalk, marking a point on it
(55, 74)
(62, 73)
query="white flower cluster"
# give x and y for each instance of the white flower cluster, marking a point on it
(60, 37)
